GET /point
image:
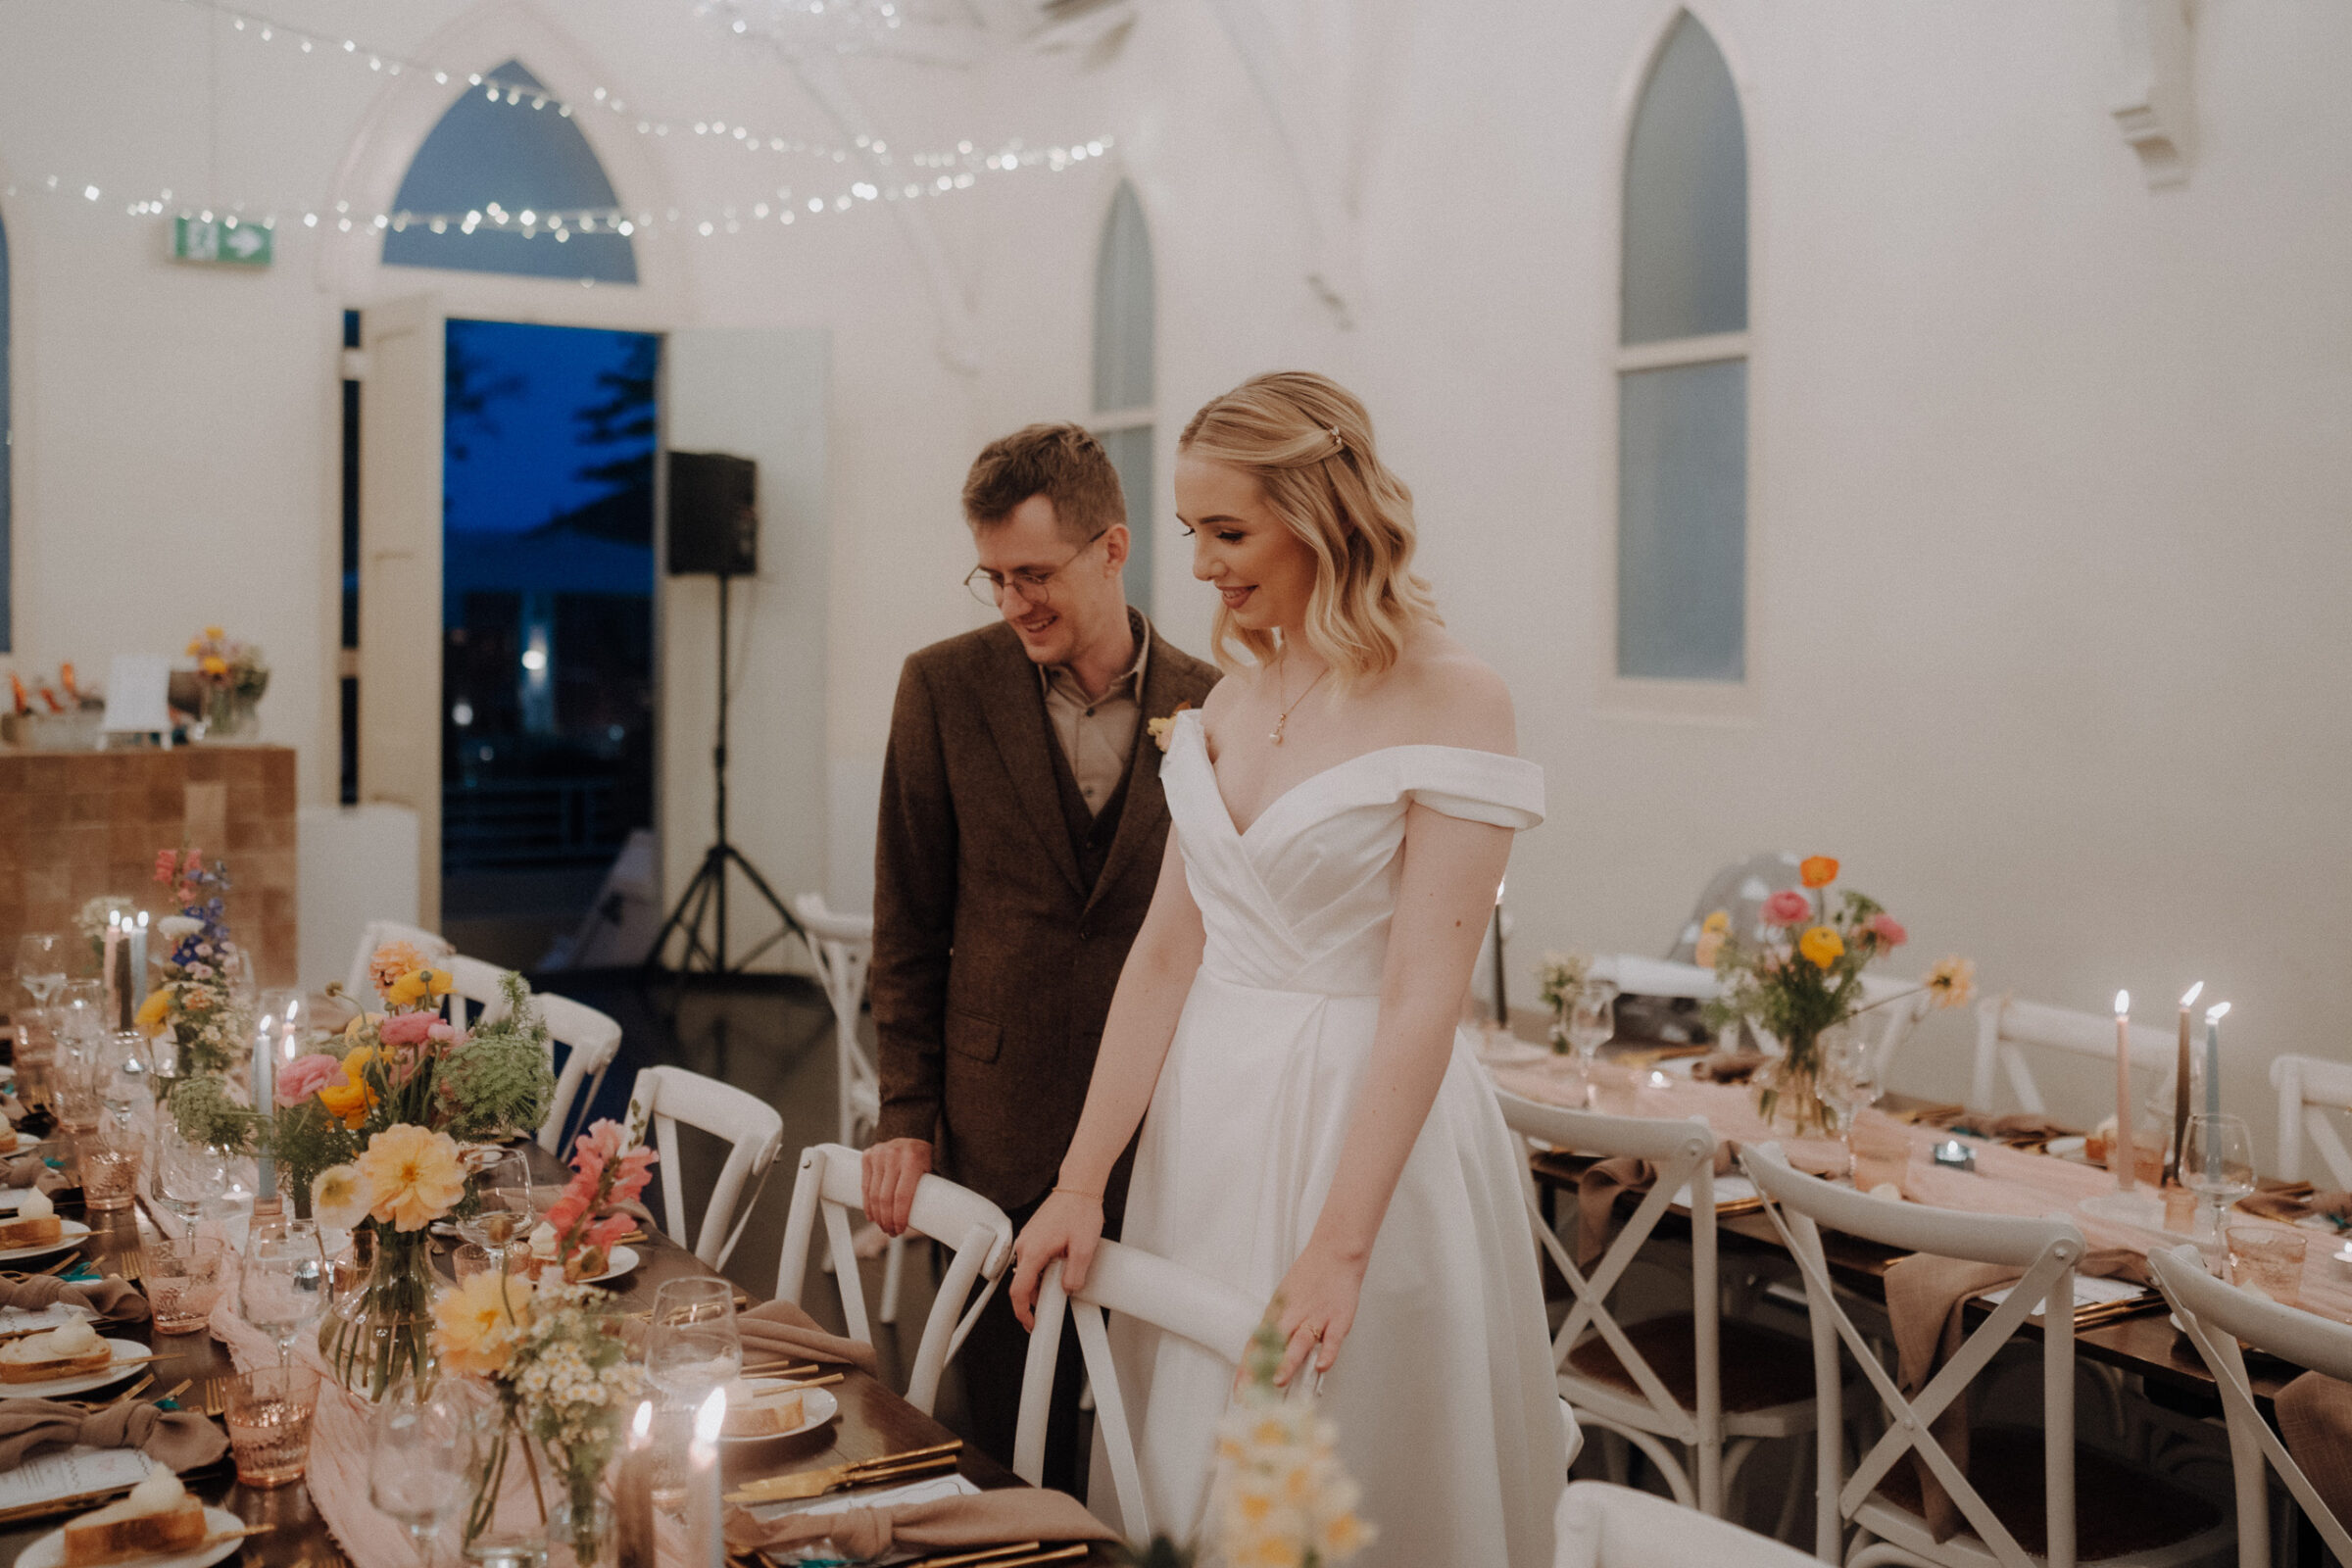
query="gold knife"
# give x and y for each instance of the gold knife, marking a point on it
(816, 1483)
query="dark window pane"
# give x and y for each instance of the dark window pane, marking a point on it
(1685, 197)
(1682, 522)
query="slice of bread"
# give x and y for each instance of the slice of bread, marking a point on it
(34, 1232)
(113, 1534)
(764, 1416)
(62, 1353)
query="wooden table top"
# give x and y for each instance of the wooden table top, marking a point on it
(873, 1420)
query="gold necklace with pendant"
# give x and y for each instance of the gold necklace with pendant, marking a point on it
(1283, 718)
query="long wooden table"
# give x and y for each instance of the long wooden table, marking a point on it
(873, 1420)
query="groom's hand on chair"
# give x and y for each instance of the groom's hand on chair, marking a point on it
(893, 1169)
(1067, 1225)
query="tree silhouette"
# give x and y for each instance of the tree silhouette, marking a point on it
(467, 390)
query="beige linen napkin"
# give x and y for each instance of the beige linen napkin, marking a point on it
(2292, 1205)
(180, 1439)
(1924, 1297)
(775, 1329)
(28, 1170)
(2315, 1417)
(110, 1298)
(1596, 1192)
(2016, 1127)
(982, 1519)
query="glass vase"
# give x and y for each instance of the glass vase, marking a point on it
(1792, 1094)
(579, 1528)
(381, 1336)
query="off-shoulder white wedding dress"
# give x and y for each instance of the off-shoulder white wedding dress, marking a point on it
(1444, 1393)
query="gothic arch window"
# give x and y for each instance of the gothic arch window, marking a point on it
(1681, 373)
(1124, 378)
(485, 156)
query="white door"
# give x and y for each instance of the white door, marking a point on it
(400, 573)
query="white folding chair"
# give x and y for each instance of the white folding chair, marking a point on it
(359, 985)
(2216, 1317)
(664, 1097)
(2005, 1025)
(1600, 1526)
(1152, 1289)
(830, 1184)
(1663, 1380)
(1880, 1498)
(2308, 1088)
(589, 1039)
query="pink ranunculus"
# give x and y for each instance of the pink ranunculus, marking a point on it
(1887, 929)
(298, 1080)
(407, 1029)
(444, 1033)
(1787, 907)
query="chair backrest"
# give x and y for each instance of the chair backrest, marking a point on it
(1152, 1289)
(668, 1096)
(1681, 1153)
(476, 990)
(1600, 1526)
(843, 947)
(2005, 1024)
(2216, 1317)
(2308, 1089)
(830, 1184)
(359, 985)
(589, 1039)
(1633, 975)
(2044, 1250)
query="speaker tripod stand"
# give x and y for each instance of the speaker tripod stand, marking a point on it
(704, 902)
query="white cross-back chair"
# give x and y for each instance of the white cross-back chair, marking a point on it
(590, 1039)
(2216, 1317)
(2308, 1089)
(1153, 1290)
(664, 1097)
(1598, 1525)
(359, 985)
(2006, 1026)
(1637, 1380)
(830, 1186)
(1876, 1499)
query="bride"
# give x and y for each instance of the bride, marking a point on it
(1315, 1129)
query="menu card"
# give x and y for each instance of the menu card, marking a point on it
(73, 1473)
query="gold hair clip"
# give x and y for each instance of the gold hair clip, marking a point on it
(1336, 440)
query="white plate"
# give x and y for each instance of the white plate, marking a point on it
(817, 1406)
(129, 1355)
(2075, 1148)
(50, 1550)
(70, 1233)
(621, 1260)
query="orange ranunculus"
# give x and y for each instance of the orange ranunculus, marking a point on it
(1821, 946)
(1818, 870)
(348, 1102)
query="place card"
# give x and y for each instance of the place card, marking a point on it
(15, 1320)
(71, 1473)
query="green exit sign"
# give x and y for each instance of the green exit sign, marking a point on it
(223, 239)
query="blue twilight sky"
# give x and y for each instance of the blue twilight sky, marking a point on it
(525, 449)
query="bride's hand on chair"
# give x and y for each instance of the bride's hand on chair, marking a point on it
(1067, 1225)
(1314, 1309)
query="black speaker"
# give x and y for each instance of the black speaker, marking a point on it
(714, 515)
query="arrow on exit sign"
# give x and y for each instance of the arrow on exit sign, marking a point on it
(222, 240)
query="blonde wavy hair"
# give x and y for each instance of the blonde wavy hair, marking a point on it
(1307, 442)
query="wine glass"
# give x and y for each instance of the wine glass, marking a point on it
(282, 1287)
(82, 1010)
(2217, 1162)
(693, 1344)
(1848, 1083)
(1591, 1023)
(41, 964)
(423, 1446)
(187, 1174)
(500, 1184)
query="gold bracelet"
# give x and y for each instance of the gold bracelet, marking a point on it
(1075, 1192)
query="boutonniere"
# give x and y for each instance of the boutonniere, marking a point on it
(1162, 730)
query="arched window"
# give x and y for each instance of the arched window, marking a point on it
(1123, 373)
(486, 154)
(1681, 373)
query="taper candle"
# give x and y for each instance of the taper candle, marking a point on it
(118, 1010)
(2213, 1057)
(633, 1494)
(2118, 1148)
(2181, 1076)
(265, 1096)
(138, 960)
(706, 1531)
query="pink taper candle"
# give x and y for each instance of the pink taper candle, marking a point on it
(2119, 1152)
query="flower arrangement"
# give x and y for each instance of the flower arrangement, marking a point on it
(610, 1167)
(91, 923)
(1801, 976)
(1559, 978)
(563, 1373)
(1282, 1498)
(225, 666)
(194, 1004)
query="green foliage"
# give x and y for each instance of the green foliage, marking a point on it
(306, 1142)
(501, 1080)
(206, 1113)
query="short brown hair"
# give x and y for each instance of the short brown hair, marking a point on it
(1063, 462)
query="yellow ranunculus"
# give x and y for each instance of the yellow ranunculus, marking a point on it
(348, 1102)
(154, 1009)
(215, 633)
(419, 986)
(1820, 945)
(476, 1326)
(414, 1176)
(1719, 922)
(214, 664)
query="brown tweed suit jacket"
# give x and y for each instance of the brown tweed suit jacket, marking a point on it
(994, 964)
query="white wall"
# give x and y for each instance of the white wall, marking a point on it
(2048, 467)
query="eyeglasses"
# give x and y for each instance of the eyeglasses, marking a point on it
(1032, 585)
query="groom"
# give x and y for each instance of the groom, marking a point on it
(1021, 833)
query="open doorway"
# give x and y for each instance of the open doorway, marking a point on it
(548, 732)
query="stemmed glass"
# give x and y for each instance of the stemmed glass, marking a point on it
(1848, 1083)
(423, 1446)
(2217, 1162)
(1591, 1023)
(693, 1344)
(82, 1011)
(282, 1288)
(500, 1184)
(41, 964)
(187, 1174)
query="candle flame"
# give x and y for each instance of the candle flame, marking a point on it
(641, 1425)
(710, 1417)
(114, 918)
(2213, 1015)
(2190, 1000)
(142, 919)
(2123, 1004)
(1499, 887)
